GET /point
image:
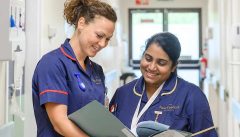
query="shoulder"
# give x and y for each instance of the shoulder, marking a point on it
(189, 87)
(51, 56)
(195, 96)
(53, 60)
(128, 85)
(125, 93)
(127, 88)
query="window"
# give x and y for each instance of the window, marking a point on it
(144, 23)
(184, 23)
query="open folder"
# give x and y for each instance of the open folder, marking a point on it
(95, 120)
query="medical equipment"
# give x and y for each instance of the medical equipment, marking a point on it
(12, 21)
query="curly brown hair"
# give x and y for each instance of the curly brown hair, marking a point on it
(89, 9)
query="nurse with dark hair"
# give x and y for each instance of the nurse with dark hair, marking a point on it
(160, 95)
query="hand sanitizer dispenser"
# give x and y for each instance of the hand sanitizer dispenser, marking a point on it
(236, 35)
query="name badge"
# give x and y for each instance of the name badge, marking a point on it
(169, 107)
(97, 80)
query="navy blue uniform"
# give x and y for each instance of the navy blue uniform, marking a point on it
(59, 78)
(180, 104)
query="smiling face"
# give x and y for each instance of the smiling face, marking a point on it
(95, 35)
(156, 65)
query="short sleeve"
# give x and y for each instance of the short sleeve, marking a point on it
(201, 123)
(51, 81)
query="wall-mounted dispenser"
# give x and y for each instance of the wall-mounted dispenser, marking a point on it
(51, 32)
(236, 35)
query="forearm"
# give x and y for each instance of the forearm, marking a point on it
(57, 114)
(67, 128)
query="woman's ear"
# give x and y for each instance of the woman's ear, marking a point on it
(81, 23)
(174, 67)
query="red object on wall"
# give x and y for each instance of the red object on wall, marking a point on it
(203, 67)
(138, 2)
(141, 2)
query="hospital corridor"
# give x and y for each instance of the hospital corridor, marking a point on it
(208, 32)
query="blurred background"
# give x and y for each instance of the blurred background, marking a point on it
(209, 32)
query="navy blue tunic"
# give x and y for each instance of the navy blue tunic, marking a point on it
(59, 78)
(182, 106)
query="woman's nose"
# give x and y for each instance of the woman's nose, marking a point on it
(152, 66)
(103, 43)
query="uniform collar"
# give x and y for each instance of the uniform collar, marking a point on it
(67, 50)
(139, 87)
(168, 88)
(170, 85)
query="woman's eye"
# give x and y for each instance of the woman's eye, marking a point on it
(108, 39)
(148, 58)
(162, 62)
(99, 36)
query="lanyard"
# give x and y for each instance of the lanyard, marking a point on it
(137, 115)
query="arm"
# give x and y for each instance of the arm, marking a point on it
(57, 114)
(201, 122)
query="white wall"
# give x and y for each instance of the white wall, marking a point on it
(2, 92)
(224, 63)
(234, 56)
(214, 44)
(52, 15)
(33, 26)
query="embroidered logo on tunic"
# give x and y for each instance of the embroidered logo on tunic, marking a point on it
(97, 80)
(169, 107)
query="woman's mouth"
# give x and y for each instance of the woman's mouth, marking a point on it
(150, 74)
(95, 48)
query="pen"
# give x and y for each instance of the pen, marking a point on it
(80, 83)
